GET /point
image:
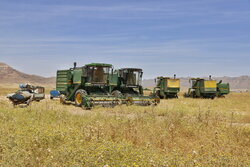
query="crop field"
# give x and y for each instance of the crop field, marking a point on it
(177, 132)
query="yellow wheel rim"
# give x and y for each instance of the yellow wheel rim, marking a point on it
(78, 98)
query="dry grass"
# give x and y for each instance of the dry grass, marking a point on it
(177, 132)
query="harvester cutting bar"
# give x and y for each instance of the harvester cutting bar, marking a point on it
(110, 101)
(105, 101)
(141, 100)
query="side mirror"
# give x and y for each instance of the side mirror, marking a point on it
(141, 74)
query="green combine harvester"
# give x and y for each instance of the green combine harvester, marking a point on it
(129, 87)
(92, 84)
(202, 88)
(167, 87)
(222, 89)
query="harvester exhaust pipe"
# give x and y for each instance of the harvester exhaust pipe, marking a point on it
(210, 78)
(74, 65)
(174, 76)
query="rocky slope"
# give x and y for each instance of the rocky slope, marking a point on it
(9, 75)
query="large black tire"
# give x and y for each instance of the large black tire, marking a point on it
(116, 93)
(79, 96)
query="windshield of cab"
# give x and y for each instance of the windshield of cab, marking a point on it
(132, 78)
(98, 74)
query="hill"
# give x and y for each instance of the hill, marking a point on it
(12, 76)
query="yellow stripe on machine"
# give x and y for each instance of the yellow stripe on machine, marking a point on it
(210, 84)
(63, 83)
(173, 83)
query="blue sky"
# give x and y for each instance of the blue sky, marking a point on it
(183, 37)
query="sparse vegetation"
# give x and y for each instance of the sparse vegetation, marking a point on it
(177, 132)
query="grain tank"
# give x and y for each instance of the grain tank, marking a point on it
(167, 87)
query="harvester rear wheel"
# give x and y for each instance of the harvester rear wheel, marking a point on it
(79, 96)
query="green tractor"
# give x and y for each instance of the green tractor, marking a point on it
(202, 88)
(87, 85)
(167, 87)
(129, 87)
(222, 89)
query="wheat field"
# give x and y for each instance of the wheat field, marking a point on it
(177, 132)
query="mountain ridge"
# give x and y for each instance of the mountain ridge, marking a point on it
(9, 75)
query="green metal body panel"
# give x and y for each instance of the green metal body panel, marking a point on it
(62, 80)
(167, 87)
(77, 76)
(223, 89)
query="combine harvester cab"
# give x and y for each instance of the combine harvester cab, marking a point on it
(222, 89)
(202, 88)
(130, 89)
(88, 85)
(167, 87)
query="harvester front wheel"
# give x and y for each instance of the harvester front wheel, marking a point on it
(79, 96)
